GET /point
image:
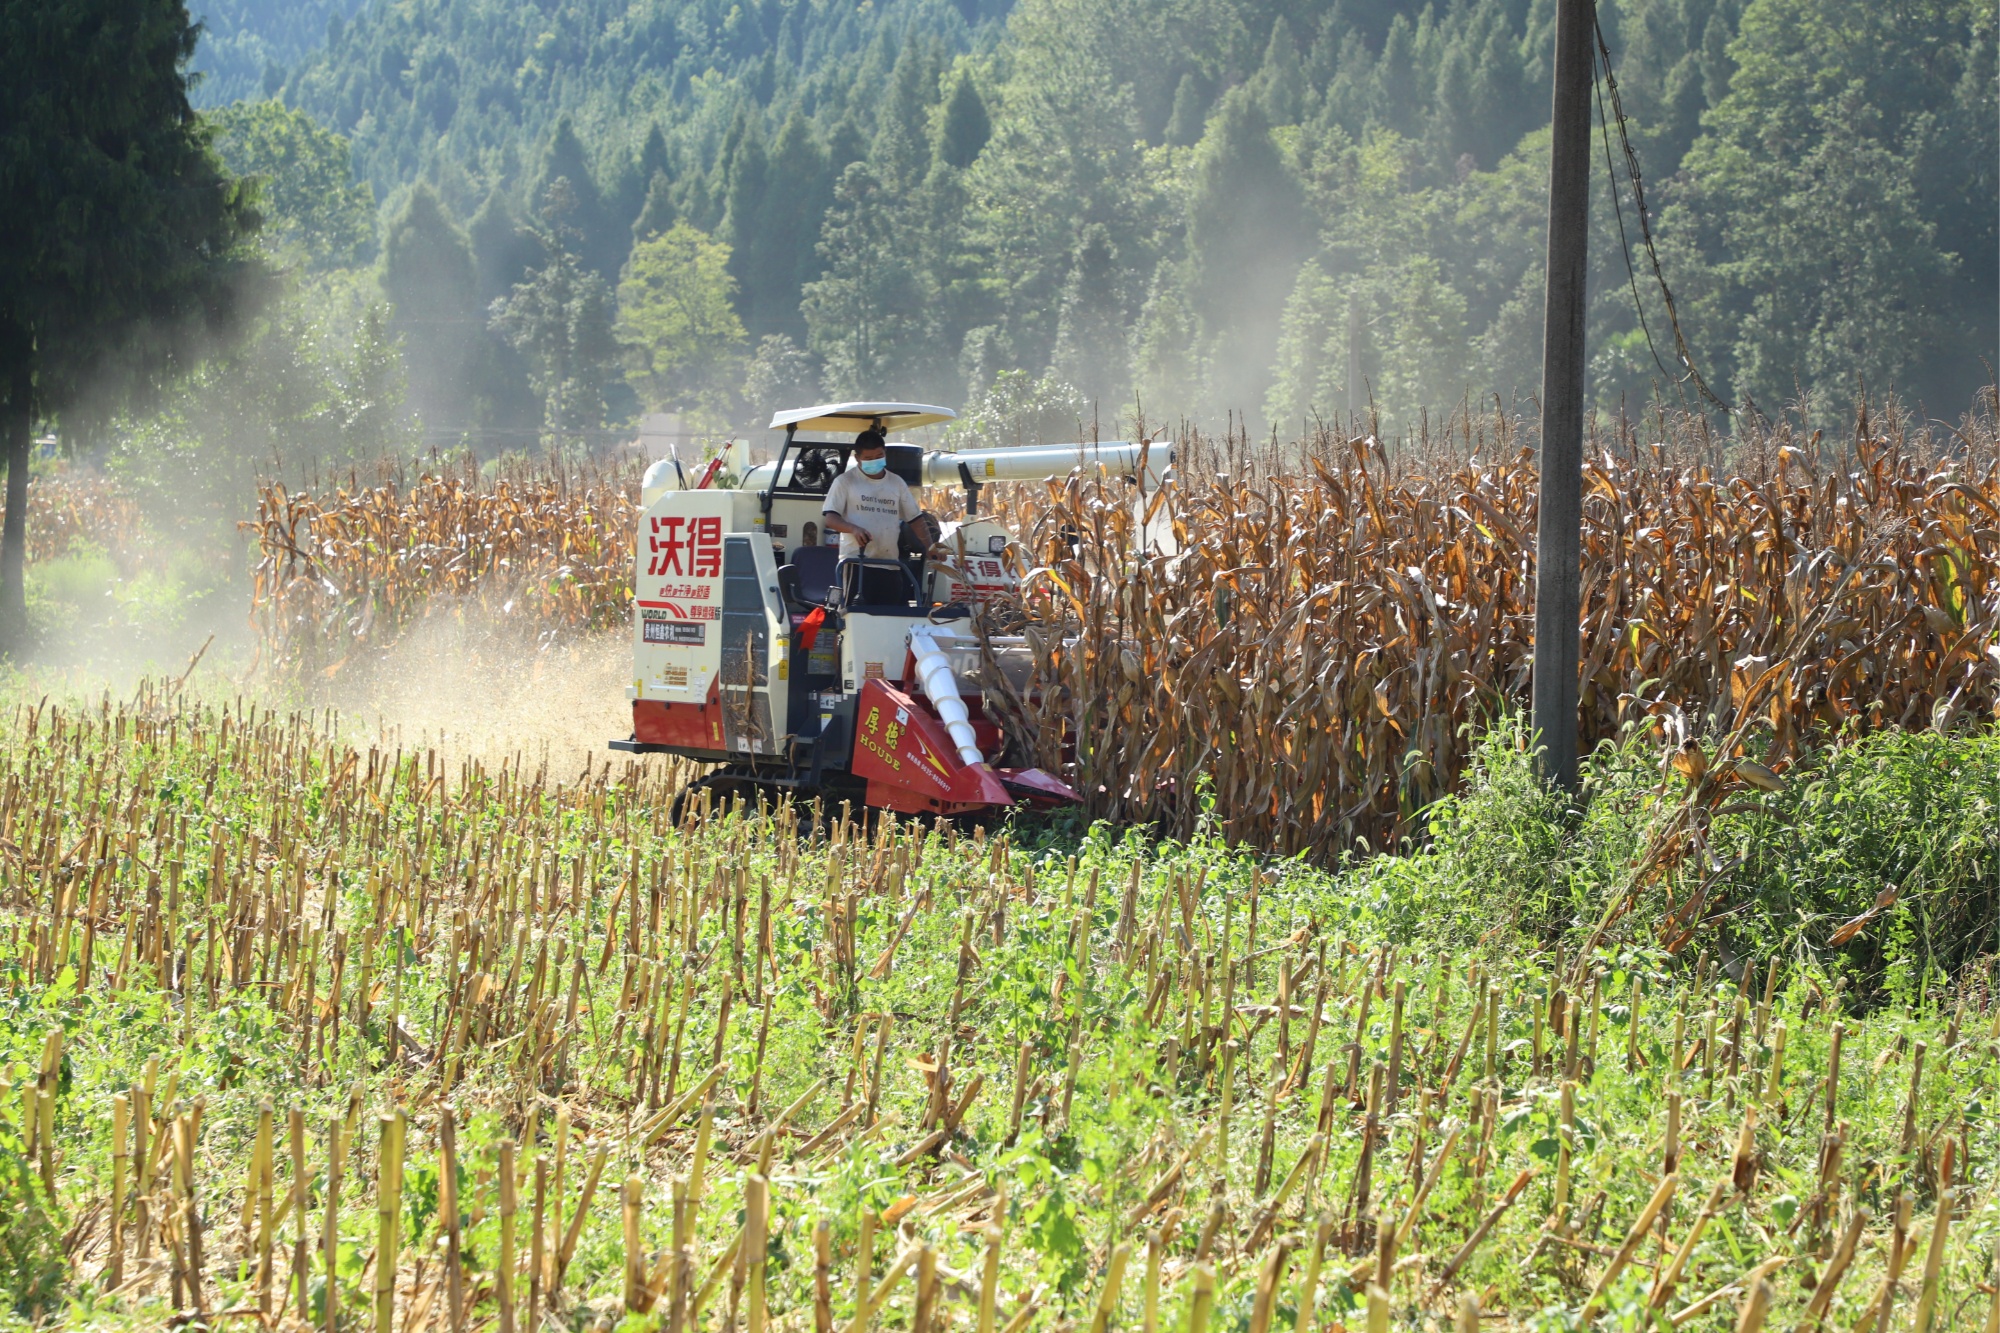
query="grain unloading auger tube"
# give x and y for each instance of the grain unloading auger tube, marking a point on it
(919, 750)
(756, 647)
(934, 672)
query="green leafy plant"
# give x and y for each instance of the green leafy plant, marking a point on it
(33, 1267)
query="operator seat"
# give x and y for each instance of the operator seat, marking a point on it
(815, 566)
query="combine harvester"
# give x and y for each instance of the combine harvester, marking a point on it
(756, 647)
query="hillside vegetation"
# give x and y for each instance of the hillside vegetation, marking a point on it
(248, 45)
(1289, 211)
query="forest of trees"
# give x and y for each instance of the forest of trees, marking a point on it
(576, 213)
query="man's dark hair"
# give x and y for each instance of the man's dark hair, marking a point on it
(871, 439)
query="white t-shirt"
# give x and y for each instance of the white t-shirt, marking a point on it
(880, 504)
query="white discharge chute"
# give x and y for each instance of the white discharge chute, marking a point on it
(942, 689)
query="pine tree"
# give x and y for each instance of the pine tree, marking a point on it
(963, 288)
(784, 242)
(1247, 235)
(1281, 81)
(122, 240)
(430, 279)
(1184, 123)
(1394, 98)
(601, 242)
(1660, 72)
(1370, 20)
(1481, 107)
(1312, 347)
(1815, 198)
(966, 126)
(636, 181)
(561, 319)
(1163, 368)
(901, 153)
(1091, 350)
(747, 167)
(871, 316)
(845, 145)
(659, 212)
(502, 250)
(1348, 101)
(1067, 152)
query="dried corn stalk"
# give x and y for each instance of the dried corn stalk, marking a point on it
(552, 551)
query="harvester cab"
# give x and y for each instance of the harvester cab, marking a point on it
(757, 647)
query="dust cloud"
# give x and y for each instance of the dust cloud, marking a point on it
(473, 689)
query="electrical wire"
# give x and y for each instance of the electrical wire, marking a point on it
(1682, 351)
(1625, 245)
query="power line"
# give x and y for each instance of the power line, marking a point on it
(1683, 352)
(1625, 245)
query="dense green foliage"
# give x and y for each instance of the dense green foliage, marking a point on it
(1196, 207)
(1910, 813)
(315, 387)
(1210, 205)
(312, 380)
(122, 232)
(560, 318)
(316, 212)
(680, 319)
(1838, 217)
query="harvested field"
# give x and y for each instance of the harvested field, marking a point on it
(361, 1039)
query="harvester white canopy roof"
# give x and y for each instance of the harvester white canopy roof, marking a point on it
(857, 417)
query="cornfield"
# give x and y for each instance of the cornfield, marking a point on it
(336, 574)
(1312, 656)
(71, 511)
(336, 1039)
(1313, 659)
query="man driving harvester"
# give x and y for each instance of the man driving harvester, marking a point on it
(870, 507)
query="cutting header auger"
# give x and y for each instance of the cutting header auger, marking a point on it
(756, 646)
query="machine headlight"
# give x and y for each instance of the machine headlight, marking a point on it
(995, 544)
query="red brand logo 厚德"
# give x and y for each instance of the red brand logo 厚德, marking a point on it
(691, 547)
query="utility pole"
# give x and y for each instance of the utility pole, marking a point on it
(1559, 515)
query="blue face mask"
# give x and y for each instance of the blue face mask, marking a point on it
(874, 467)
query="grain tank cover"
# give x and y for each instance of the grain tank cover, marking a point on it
(853, 418)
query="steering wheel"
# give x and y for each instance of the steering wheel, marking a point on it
(812, 470)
